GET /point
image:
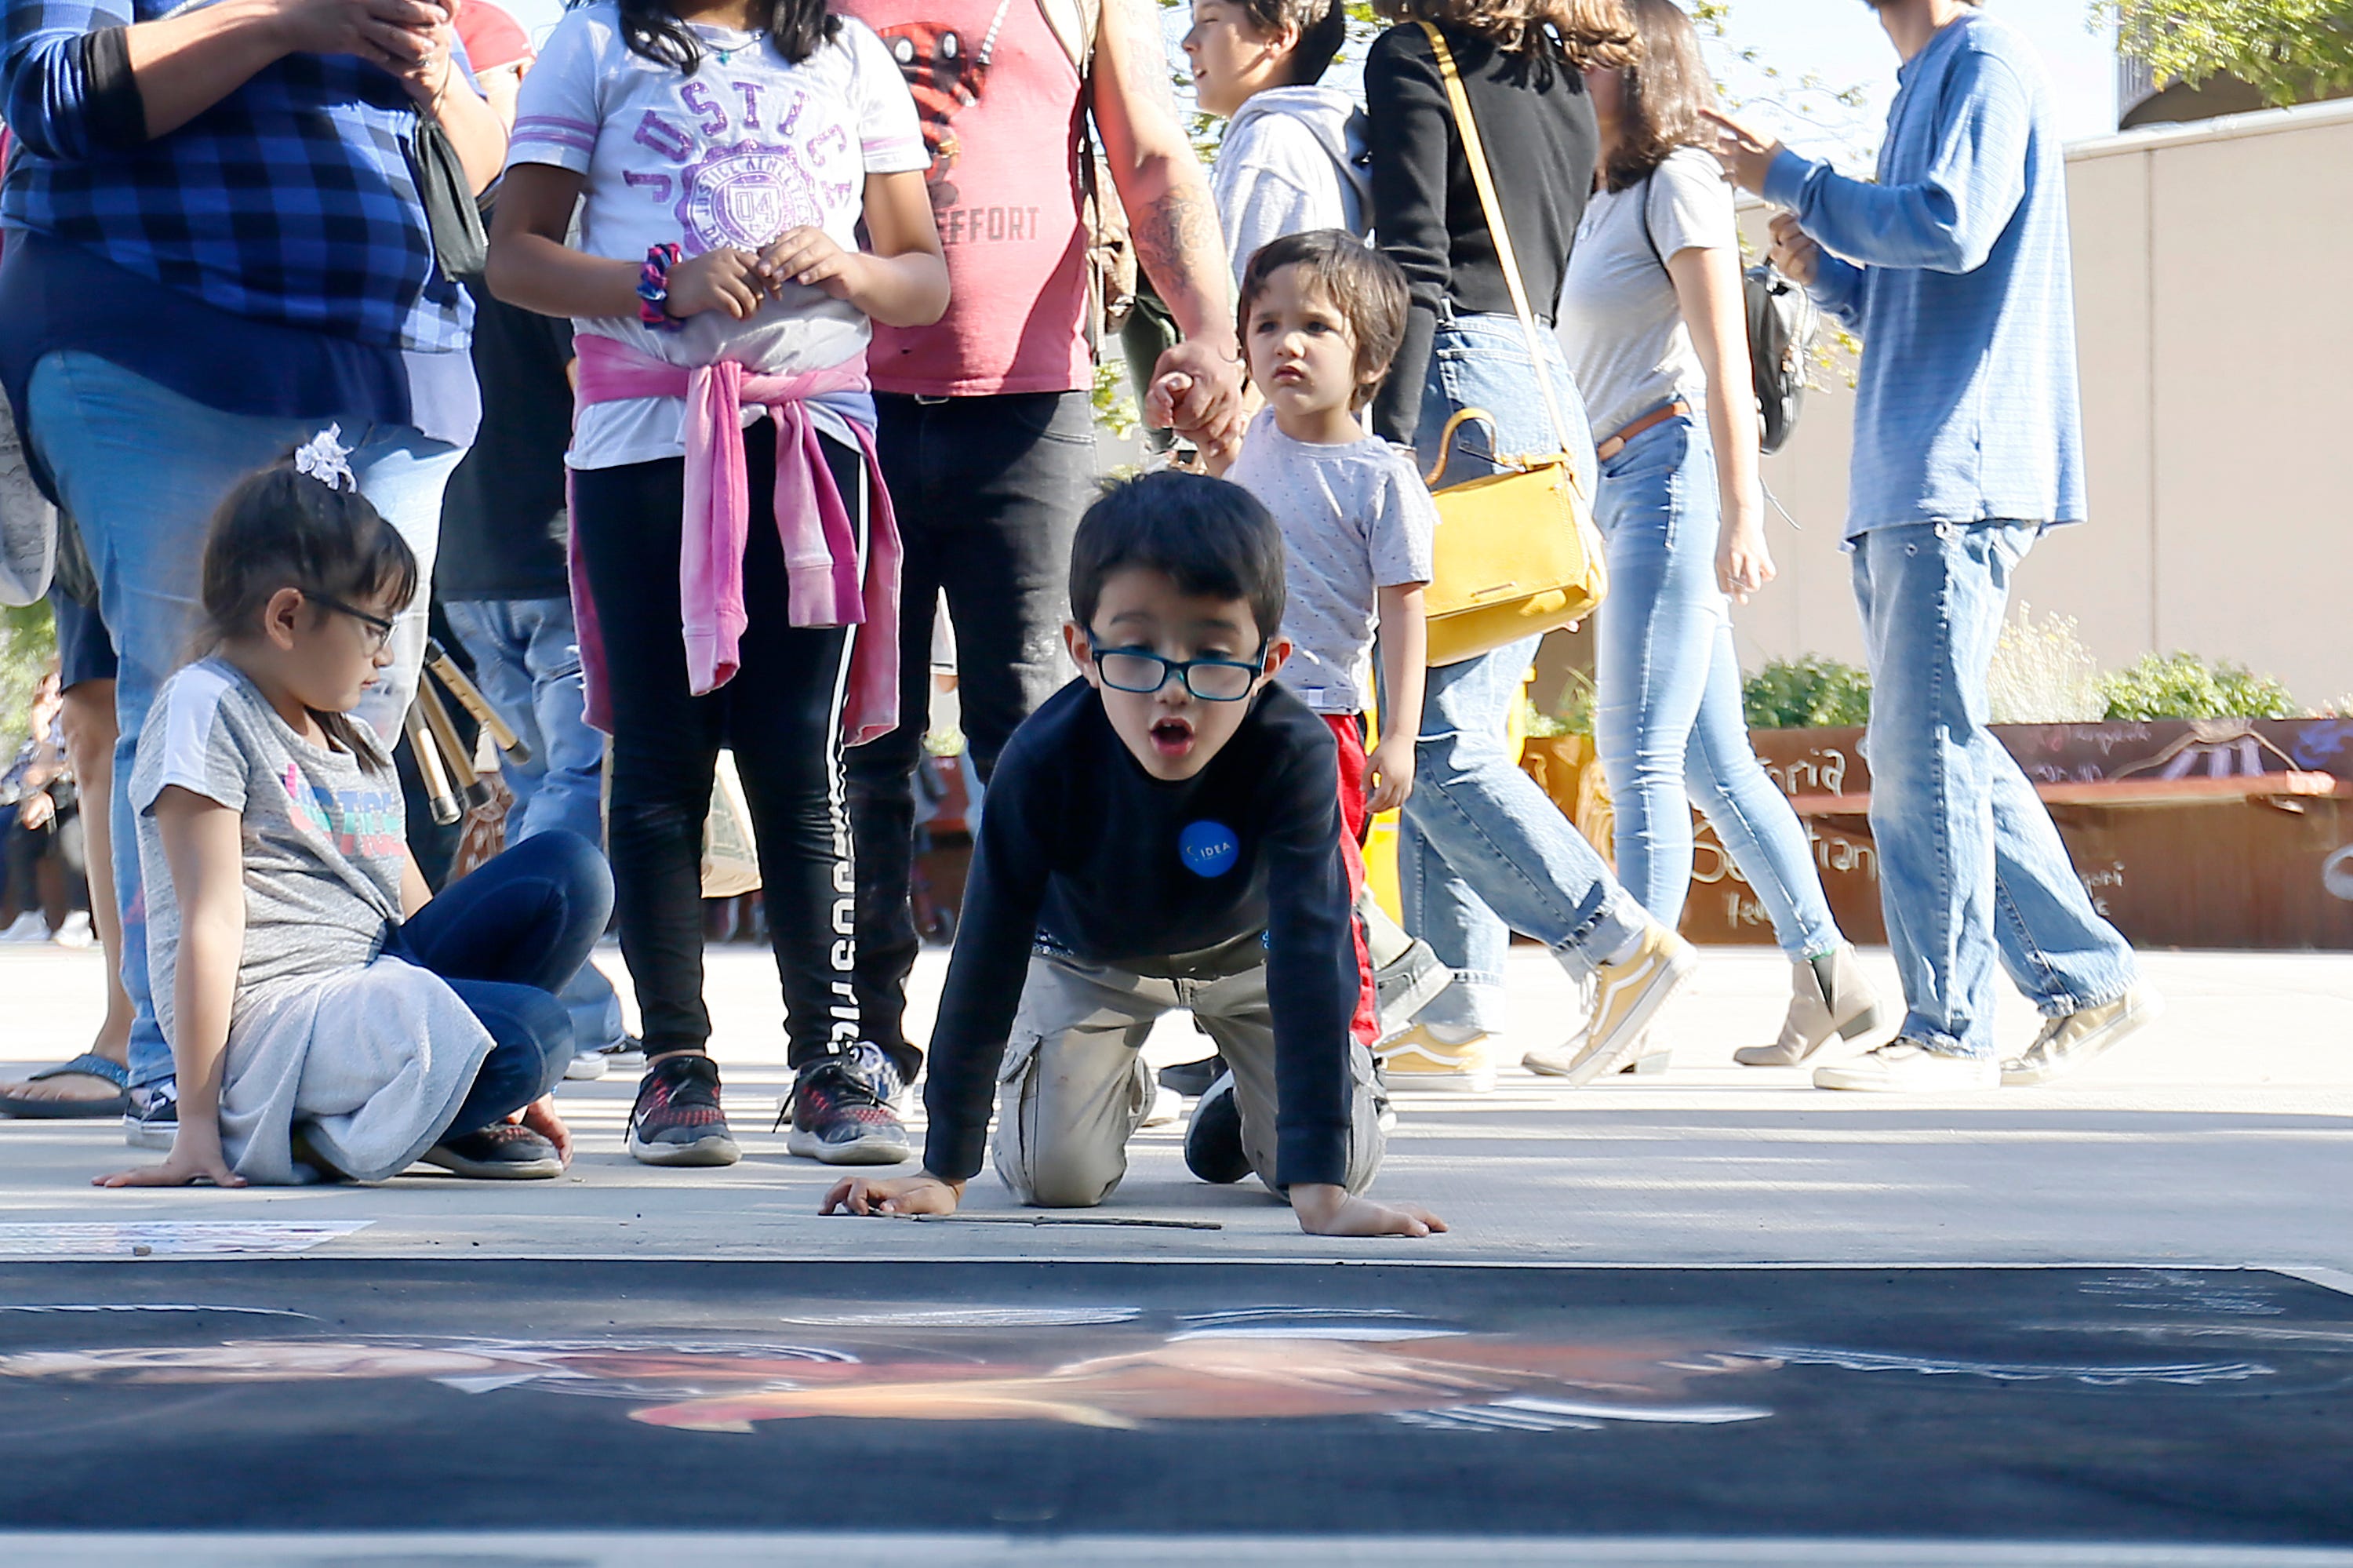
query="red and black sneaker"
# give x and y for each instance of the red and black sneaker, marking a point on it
(841, 1119)
(677, 1119)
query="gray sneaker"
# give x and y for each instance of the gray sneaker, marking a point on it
(2073, 1039)
(154, 1119)
(1407, 984)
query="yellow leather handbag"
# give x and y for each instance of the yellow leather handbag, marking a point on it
(1517, 552)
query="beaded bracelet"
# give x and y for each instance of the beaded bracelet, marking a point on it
(653, 288)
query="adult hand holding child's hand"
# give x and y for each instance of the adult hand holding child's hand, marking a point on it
(1332, 1210)
(893, 1195)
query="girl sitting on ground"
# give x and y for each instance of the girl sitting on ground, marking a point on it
(325, 1020)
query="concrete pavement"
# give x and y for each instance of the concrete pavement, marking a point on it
(2224, 1134)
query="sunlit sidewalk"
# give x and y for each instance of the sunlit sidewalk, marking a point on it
(2224, 1136)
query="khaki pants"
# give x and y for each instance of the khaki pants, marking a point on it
(1074, 1087)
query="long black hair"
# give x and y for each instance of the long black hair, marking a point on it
(652, 31)
(280, 529)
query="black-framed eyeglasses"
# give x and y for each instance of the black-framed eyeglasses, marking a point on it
(376, 624)
(1142, 672)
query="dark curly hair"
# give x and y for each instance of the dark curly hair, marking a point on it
(652, 31)
(1584, 33)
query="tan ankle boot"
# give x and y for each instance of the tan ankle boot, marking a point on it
(1828, 995)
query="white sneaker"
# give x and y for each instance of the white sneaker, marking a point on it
(2068, 1041)
(1627, 999)
(30, 928)
(586, 1065)
(75, 934)
(1167, 1106)
(1907, 1067)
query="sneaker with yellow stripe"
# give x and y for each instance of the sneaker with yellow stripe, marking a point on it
(1627, 996)
(1439, 1056)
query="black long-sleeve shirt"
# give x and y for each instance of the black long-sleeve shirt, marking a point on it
(1542, 141)
(1082, 849)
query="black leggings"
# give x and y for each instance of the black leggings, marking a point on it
(782, 716)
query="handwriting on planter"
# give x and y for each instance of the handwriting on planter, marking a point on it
(2099, 882)
(1822, 771)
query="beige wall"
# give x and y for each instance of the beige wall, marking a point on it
(2216, 334)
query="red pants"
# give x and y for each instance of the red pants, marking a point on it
(1349, 731)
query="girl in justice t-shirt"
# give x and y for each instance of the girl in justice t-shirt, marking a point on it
(735, 565)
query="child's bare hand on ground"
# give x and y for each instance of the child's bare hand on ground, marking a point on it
(893, 1195)
(1330, 1211)
(185, 1167)
(540, 1117)
(1389, 769)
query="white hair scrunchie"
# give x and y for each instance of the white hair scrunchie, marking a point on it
(325, 459)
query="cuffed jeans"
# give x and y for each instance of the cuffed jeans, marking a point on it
(1669, 713)
(1970, 867)
(142, 469)
(508, 937)
(1481, 851)
(526, 654)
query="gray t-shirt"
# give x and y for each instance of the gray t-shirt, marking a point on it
(365, 1049)
(1355, 518)
(1621, 328)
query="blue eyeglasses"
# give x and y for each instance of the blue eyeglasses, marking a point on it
(1142, 672)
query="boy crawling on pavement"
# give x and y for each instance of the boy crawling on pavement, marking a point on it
(1163, 833)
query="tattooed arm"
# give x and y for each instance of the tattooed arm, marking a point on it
(1198, 386)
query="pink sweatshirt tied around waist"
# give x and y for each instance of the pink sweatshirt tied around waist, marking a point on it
(822, 556)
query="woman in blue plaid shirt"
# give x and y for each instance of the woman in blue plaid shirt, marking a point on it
(216, 247)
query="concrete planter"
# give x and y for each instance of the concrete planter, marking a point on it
(2186, 833)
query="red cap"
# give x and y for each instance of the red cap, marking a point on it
(492, 39)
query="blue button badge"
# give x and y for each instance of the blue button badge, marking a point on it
(1209, 849)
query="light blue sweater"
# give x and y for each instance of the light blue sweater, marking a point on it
(1954, 271)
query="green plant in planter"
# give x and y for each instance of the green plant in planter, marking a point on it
(2184, 686)
(1575, 717)
(1807, 693)
(2042, 673)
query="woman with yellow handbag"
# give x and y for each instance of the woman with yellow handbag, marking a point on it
(1480, 390)
(1654, 322)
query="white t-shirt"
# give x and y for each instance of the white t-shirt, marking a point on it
(747, 147)
(1355, 518)
(1621, 328)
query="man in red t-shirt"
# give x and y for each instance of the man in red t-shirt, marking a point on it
(987, 428)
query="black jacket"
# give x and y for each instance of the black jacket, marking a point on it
(1542, 143)
(1083, 850)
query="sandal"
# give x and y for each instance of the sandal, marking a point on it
(90, 1064)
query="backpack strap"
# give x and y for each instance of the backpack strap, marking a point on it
(1474, 153)
(1650, 239)
(1075, 25)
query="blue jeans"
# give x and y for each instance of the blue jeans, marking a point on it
(1481, 851)
(1669, 712)
(1969, 865)
(140, 469)
(506, 937)
(526, 657)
